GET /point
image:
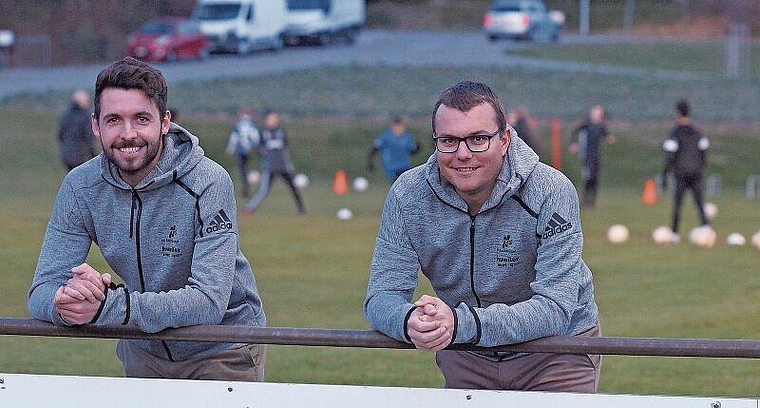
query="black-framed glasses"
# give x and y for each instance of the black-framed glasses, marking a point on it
(475, 143)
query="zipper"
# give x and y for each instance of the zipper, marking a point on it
(472, 260)
(135, 227)
(134, 231)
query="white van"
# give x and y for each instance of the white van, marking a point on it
(323, 21)
(242, 26)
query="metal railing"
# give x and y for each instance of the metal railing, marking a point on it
(623, 346)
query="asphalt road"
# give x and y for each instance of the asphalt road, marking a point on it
(374, 47)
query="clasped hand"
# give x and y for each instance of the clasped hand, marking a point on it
(79, 300)
(431, 324)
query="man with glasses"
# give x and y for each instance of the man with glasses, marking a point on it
(498, 235)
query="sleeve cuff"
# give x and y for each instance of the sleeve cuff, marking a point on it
(467, 324)
(406, 325)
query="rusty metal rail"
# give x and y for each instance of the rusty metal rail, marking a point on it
(625, 346)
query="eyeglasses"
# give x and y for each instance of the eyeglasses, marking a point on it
(475, 143)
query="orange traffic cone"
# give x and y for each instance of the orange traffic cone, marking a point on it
(649, 195)
(340, 185)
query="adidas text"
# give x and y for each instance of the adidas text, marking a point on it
(559, 229)
(218, 227)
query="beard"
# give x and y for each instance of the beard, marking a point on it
(137, 164)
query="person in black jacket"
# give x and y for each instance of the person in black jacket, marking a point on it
(75, 135)
(685, 150)
(520, 118)
(587, 143)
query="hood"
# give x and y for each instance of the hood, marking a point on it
(181, 153)
(519, 163)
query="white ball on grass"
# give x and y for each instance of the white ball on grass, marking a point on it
(618, 234)
(662, 235)
(703, 236)
(756, 240)
(254, 176)
(300, 180)
(360, 184)
(344, 214)
(711, 210)
(735, 238)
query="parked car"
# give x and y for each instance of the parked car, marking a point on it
(324, 21)
(522, 20)
(242, 26)
(7, 39)
(168, 39)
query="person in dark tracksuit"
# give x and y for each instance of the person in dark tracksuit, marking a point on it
(586, 142)
(275, 160)
(75, 131)
(685, 156)
(520, 118)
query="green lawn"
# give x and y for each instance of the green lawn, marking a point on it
(312, 270)
(699, 57)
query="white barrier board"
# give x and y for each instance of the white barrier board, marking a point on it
(24, 390)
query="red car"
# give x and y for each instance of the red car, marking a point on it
(168, 39)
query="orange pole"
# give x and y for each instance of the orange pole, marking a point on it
(556, 144)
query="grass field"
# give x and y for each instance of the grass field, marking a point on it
(704, 57)
(312, 270)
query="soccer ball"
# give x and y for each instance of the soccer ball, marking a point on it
(735, 238)
(662, 235)
(300, 180)
(254, 176)
(344, 214)
(756, 240)
(360, 184)
(618, 233)
(703, 237)
(711, 210)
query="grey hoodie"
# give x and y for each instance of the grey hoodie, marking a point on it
(173, 239)
(512, 273)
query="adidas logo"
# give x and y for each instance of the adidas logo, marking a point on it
(556, 225)
(219, 223)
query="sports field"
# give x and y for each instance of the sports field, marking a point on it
(312, 269)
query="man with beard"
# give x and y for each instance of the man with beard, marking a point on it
(164, 217)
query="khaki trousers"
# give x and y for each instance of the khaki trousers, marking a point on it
(530, 372)
(242, 364)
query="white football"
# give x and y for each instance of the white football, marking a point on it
(735, 238)
(756, 240)
(703, 236)
(618, 233)
(344, 214)
(300, 180)
(254, 176)
(662, 235)
(711, 210)
(360, 184)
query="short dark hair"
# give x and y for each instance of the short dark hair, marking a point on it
(131, 73)
(465, 95)
(682, 106)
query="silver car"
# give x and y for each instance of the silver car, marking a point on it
(522, 19)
